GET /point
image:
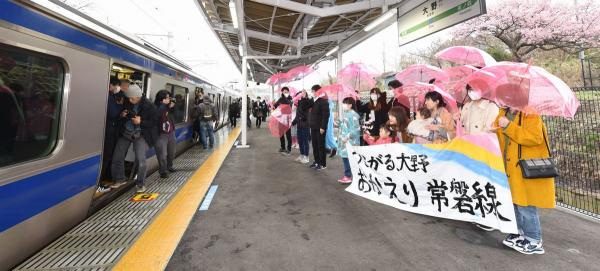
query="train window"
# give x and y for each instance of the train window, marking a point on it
(132, 76)
(31, 87)
(181, 103)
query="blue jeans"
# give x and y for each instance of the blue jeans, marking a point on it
(206, 129)
(347, 171)
(528, 223)
(303, 134)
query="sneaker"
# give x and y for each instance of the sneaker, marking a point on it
(333, 152)
(483, 227)
(164, 175)
(319, 167)
(299, 159)
(172, 170)
(281, 151)
(287, 153)
(141, 189)
(305, 160)
(102, 189)
(314, 165)
(345, 180)
(512, 239)
(118, 184)
(529, 248)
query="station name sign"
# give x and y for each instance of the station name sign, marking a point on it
(436, 15)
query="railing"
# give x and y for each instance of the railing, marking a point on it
(575, 146)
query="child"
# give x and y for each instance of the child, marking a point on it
(349, 134)
(418, 127)
(386, 136)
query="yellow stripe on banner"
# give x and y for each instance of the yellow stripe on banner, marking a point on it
(153, 249)
(472, 151)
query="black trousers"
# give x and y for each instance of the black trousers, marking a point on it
(318, 144)
(110, 141)
(233, 121)
(258, 121)
(287, 135)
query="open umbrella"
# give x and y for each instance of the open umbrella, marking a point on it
(281, 120)
(418, 90)
(339, 92)
(456, 75)
(358, 76)
(466, 55)
(421, 73)
(278, 79)
(529, 89)
(299, 72)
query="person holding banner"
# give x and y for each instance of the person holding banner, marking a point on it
(442, 127)
(349, 134)
(386, 136)
(525, 136)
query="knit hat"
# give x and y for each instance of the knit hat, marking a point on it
(134, 91)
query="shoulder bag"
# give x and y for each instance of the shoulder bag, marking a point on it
(537, 168)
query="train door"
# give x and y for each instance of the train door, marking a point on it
(127, 77)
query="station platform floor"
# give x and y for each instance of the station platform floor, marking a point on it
(255, 209)
(272, 213)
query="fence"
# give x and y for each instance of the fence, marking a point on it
(575, 146)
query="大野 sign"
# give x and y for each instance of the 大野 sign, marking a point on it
(435, 15)
(461, 180)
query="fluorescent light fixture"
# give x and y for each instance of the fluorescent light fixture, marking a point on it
(332, 51)
(233, 13)
(380, 20)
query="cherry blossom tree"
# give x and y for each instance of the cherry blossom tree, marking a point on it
(525, 26)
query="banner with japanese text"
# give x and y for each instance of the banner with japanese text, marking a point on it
(463, 179)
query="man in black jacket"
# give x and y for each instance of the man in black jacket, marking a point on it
(138, 126)
(318, 119)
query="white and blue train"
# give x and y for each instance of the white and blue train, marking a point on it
(55, 65)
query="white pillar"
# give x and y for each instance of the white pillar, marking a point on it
(244, 114)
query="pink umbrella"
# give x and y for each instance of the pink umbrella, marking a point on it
(299, 72)
(455, 85)
(529, 89)
(421, 73)
(339, 92)
(278, 79)
(466, 55)
(418, 90)
(358, 76)
(281, 120)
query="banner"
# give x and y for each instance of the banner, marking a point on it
(463, 179)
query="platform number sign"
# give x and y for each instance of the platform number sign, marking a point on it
(143, 197)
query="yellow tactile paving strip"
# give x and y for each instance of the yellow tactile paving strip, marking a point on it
(153, 249)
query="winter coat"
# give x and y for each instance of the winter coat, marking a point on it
(319, 114)
(371, 140)
(380, 118)
(349, 131)
(148, 114)
(530, 135)
(302, 112)
(283, 100)
(478, 116)
(204, 106)
(163, 110)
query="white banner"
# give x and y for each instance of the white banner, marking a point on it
(461, 180)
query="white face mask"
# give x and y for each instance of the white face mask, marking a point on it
(286, 95)
(474, 95)
(374, 97)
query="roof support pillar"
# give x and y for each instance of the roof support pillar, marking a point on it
(244, 115)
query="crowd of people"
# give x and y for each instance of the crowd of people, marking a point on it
(132, 119)
(383, 121)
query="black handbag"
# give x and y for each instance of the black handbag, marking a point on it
(537, 168)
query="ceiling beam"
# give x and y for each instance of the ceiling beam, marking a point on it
(328, 11)
(271, 28)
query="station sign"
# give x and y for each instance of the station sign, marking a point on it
(436, 15)
(142, 197)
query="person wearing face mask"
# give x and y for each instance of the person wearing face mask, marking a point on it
(376, 111)
(318, 120)
(478, 115)
(301, 122)
(285, 99)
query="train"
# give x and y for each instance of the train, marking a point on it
(55, 67)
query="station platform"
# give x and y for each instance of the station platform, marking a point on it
(255, 209)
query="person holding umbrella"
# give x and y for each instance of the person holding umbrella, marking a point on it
(285, 99)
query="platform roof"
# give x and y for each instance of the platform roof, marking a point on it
(301, 31)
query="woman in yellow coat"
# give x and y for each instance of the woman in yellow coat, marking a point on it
(528, 131)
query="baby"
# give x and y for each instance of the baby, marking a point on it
(386, 136)
(418, 127)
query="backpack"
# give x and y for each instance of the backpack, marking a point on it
(165, 126)
(207, 113)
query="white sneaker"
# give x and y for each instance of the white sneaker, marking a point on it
(299, 159)
(305, 160)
